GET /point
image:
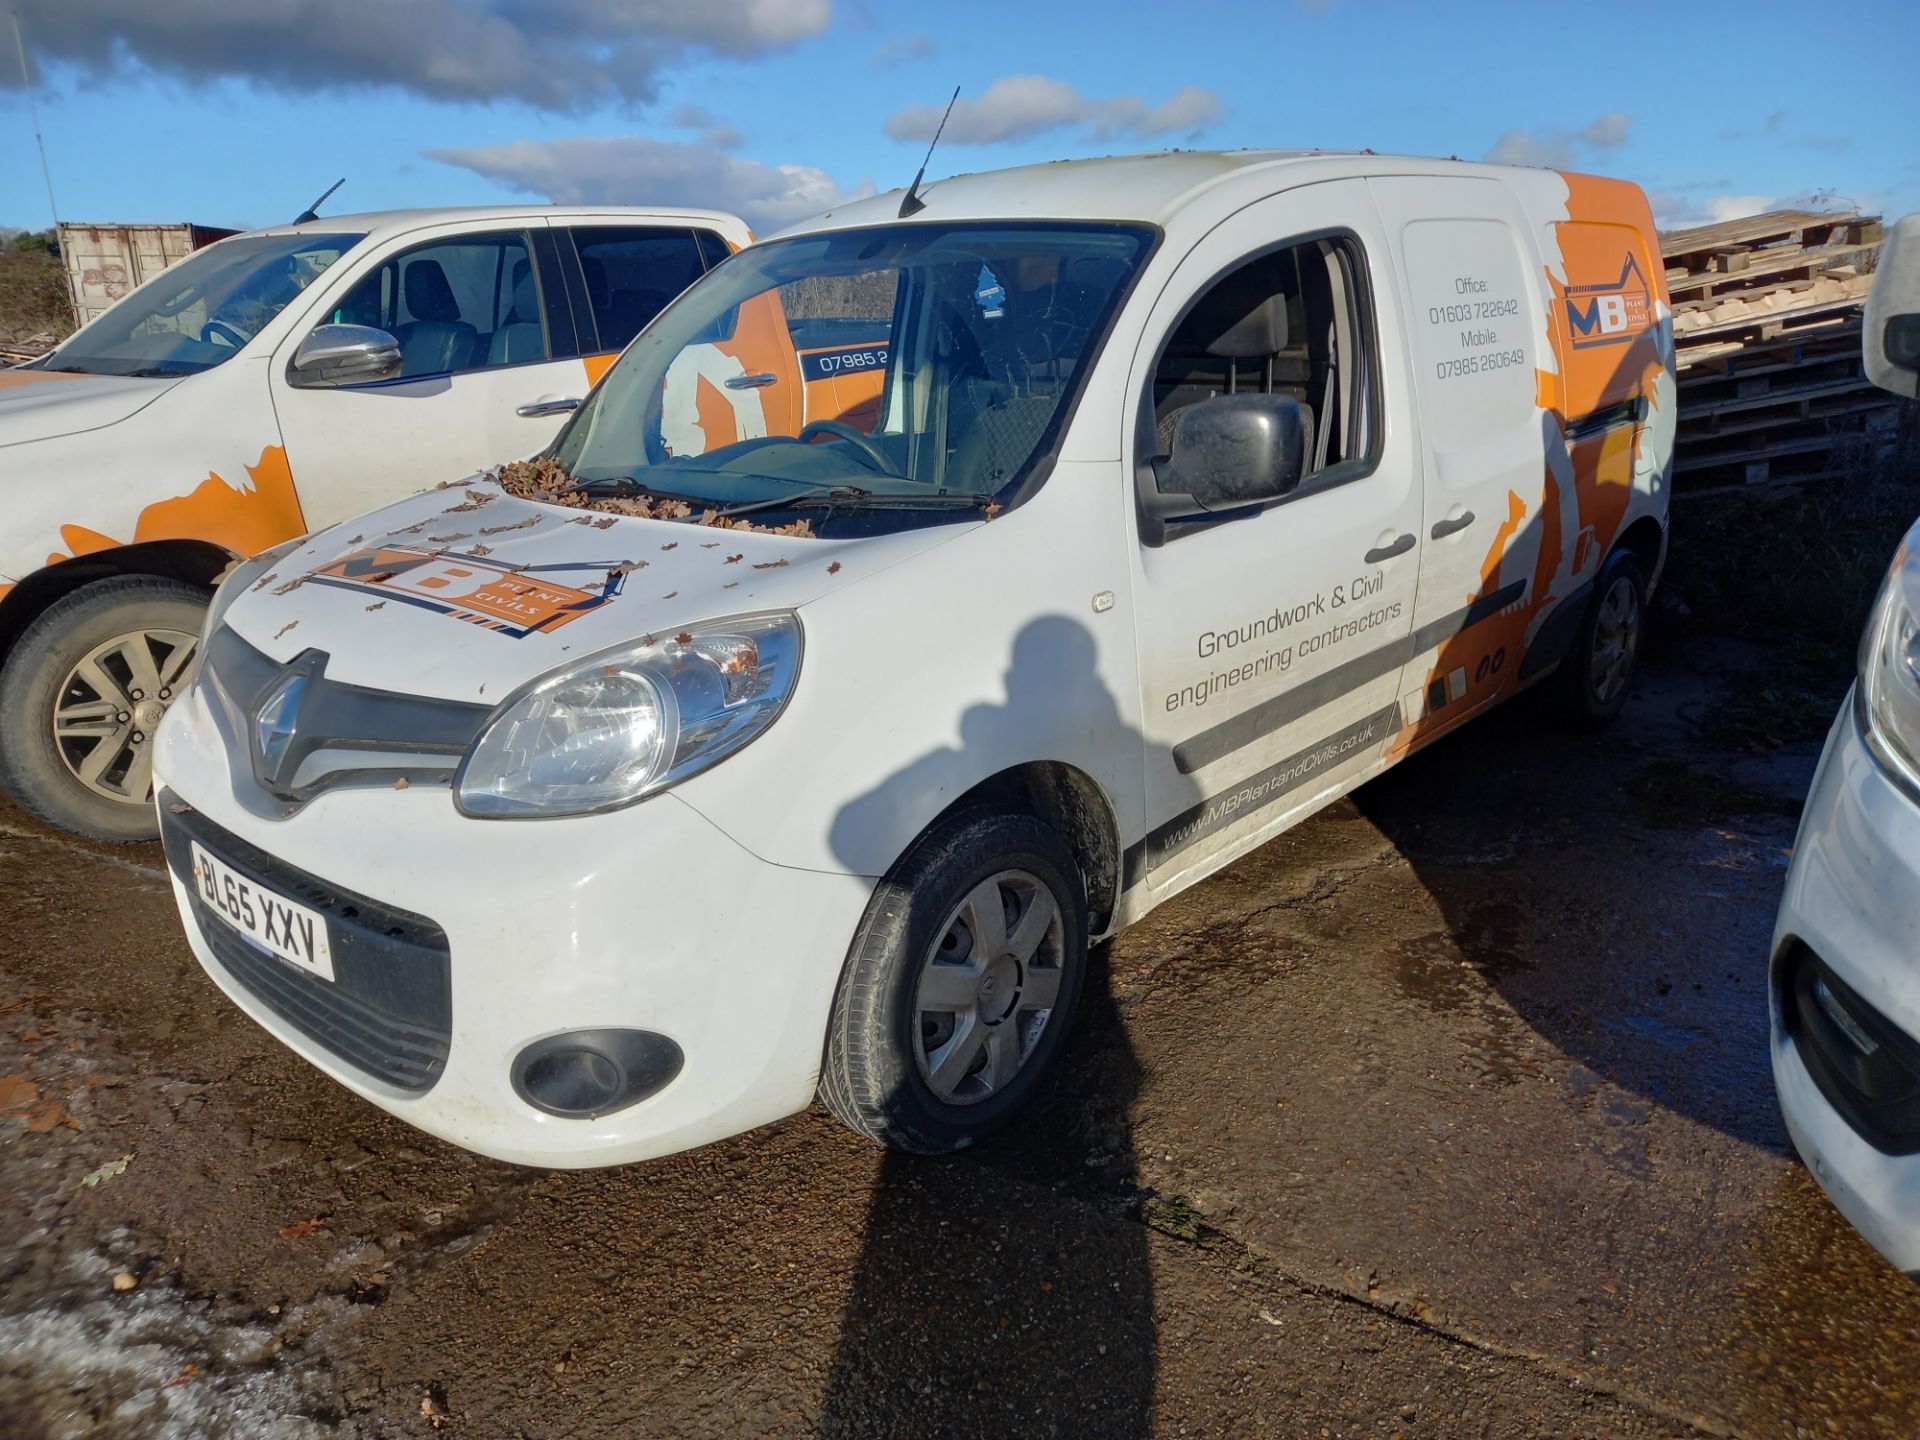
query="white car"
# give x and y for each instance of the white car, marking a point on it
(265, 386)
(740, 749)
(1845, 988)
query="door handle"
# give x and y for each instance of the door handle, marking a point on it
(751, 382)
(1387, 552)
(537, 408)
(1444, 528)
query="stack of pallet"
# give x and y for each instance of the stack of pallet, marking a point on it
(1766, 326)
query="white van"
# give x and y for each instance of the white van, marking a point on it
(265, 386)
(613, 804)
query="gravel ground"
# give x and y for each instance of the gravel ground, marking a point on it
(1446, 1114)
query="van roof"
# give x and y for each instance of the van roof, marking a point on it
(1149, 187)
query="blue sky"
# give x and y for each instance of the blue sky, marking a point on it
(238, 112)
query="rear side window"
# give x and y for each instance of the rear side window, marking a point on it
(631, 272)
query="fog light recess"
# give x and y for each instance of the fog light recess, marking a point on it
(584, 1074)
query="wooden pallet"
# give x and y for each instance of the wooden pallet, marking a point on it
(1766, 328)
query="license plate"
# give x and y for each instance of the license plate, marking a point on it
(293, 932)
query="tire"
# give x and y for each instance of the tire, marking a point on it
(934, 1070)
(1594, 679)
(97, 632)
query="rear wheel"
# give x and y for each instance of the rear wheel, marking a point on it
(959, 986)
(82, 694)
(1598, 671)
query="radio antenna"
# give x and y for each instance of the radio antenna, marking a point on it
(911, 203)
(312, 212)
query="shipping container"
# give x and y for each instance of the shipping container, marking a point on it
(105, 262)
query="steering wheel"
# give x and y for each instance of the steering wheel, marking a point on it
(232, 336)
(876, 459)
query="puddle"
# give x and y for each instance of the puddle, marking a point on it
(1441, 975)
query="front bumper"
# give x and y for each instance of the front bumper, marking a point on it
(1852, 906)
(649, 918)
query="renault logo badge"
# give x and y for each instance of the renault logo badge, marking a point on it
(278, 721)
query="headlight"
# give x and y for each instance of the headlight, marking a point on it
(238, 579)
(1888, 696)
(624, 723)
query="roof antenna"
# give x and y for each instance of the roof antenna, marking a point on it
(312, 212)
(911, 203)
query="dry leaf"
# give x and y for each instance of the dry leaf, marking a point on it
(671, 545)
(17, 1090)
(731, 585)
(710, 545)
(300, 1229)
(179, 807)
(683, 638)
(834, 568)
(604, 524)
(448, 539)
(733, 559)
(479, 549)
(402, 783)
(670, 594)
(285, 628)
(627, 567)
(516, 525)
(991, 508)
(44, 1117)
(771, 564)
(378, 605)
(266, 580)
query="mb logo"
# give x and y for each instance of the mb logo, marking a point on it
(1611, 311)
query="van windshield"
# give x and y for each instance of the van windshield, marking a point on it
(895, 366)
(202, 311)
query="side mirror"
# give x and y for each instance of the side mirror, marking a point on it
(345, 355)
(1231, 452)
(1890, 338)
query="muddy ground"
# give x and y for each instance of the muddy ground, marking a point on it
(1446, 1114)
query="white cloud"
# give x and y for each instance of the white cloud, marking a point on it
(1556, 147)
(1018, 107)
(1608, 132)
(902, 51)
(553, 54)
(638, 170)
(713, 130)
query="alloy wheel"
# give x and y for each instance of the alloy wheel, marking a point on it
(110, 703)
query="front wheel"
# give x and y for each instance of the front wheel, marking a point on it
(1598, 671)
(81, 695)
(958, 988)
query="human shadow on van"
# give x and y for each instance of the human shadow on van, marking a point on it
(1003, 1291)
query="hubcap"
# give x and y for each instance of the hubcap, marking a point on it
(109, 705)
(1616, 633)
(988, 987)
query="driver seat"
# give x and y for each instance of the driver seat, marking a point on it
(436, 340)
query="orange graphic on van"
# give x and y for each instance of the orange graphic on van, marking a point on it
(509, 602)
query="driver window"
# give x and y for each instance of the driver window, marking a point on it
(1286, 323)
(458, 305)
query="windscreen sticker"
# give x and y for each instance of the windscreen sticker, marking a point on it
(509, 602)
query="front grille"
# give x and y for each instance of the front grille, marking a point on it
(389, 1009)
(1867, 1067)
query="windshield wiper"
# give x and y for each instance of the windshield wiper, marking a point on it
(625, 487)
(853, 497)
(808, 495)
